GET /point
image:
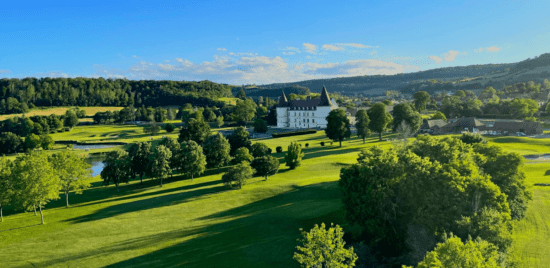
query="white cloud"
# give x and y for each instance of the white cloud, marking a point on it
(166, 60)
(331, 47)
(437, 59)
(451, 55)
(374, 52)
(288, 53)
(402, 58)
(5, 72)
(221, 49)
(355, 45)
(478, 50)
(232, 54)
(292, 49)
(310, 48)
(251, 69)
(493, 49)
(135, 57)
(53, 74)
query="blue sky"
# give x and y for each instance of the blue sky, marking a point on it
(246, 42)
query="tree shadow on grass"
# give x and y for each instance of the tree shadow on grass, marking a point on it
(149, 203)
(259, 234)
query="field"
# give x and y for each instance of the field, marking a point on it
(202, 223)
(61, 110)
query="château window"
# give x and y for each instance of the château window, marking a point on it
(312, 114)
(312, 120)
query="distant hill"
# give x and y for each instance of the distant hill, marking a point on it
(473, 77)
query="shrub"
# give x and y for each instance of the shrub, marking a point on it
(471, 138)
(169, 128)
(307, 145)
(294, 133)
(269, 151)
(322, 143)
(279, 149)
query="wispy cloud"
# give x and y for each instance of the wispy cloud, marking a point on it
(221, 49)
(437, 59)
(310, 48)
(5, 72)
(478, 50)
(135, 57)
(451, 55)
(374, 52)
(332, 47)
(292, 49)
(493, 49)
(289, 53)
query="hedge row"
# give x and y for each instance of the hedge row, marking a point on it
(294, 133)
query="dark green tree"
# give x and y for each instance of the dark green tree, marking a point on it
(259, 149)
(6, 184)
(116, 168)
(338, 126)
(362, 124)
(239, 138)
(241, 155)
(197, 131)
(266, 166)
(379, 118)
(241, 95)
(216, 149)
(403, 112)
(294, 155)
(192, 159)
(71, 119)
(260, 126)
(139, 155)
(159, 166)
(73, 172)
(238, 174)
(421, 98)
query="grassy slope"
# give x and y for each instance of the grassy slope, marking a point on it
(201, 223)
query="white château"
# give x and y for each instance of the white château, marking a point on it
(308, 113)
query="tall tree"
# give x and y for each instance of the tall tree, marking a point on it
(259, 149)
(324, 248)
(116, 168)
(238, 174)
(266, 166)
(159, 167)
(241, 155)
(338, 126)
(71, 119)
(421, 98)
(172, 145)
(241, 95)
(260, 126)
(403, 112)
(216, 149)
(294, 154)
(73, 171)
(139, 158)
(379, 118)
(197, 131)
(240, 137)
(209, 115)
(245, 110)
(439, 115)
(6, 184)
(219, 121)
(36, 182)
(362, 124)
(191, 158)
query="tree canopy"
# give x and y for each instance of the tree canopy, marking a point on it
(216, 149)
(362, 124)
(294, 154)
(338, 126)
(379, 118)
(73, 172)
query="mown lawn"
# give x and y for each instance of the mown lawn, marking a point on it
(61, 110)
(202, 223)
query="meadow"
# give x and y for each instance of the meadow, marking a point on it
(90, 111)
(202, 223)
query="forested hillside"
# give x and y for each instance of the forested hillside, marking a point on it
(17, 95)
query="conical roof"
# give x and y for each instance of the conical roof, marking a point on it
(283, 100)
(325, 99)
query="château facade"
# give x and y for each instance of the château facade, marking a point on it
(308, 113)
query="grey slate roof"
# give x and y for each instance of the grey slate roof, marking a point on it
(429, 124)
(322, 101)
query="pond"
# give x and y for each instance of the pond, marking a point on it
(97, 165)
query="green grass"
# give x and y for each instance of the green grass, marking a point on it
(202, 223)
(60, 110)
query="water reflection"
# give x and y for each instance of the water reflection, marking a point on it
(97, 164)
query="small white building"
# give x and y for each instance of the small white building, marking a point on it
(308, 113)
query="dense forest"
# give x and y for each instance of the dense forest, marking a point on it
(18, 95)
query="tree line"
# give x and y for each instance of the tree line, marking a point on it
(18, 95)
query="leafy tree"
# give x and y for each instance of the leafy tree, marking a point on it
(160, 114)
(245, 110)
(10, 143)
(259, 149)
(522, 108)
(73, 171)
(260, 126)
(169, 128)
(159, 166)
(71, 119)
(241, 95)
(197, 131)
(172, 145)
(266, 165)
(272, 117)
(387, 102)
(439, 115)
(46, 142)
(36, 182)
(324, 248)
(261, 111)
(193, 161)
(209, 115)
(32, 142)
(279, 149)
(471, 138)
(241, 155)
(488, 224)
(152, 129)
(294, 154)
(378, 118)
(239, 138)
(362, 124)
(403, 112)
(171, 114)
(454, 253)
(219, 121)
(216, 149)
(6, 184)
(421, 98)
(338, 126)
(139, 158)
(238, 174)
(460, 93)
(116, 168)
